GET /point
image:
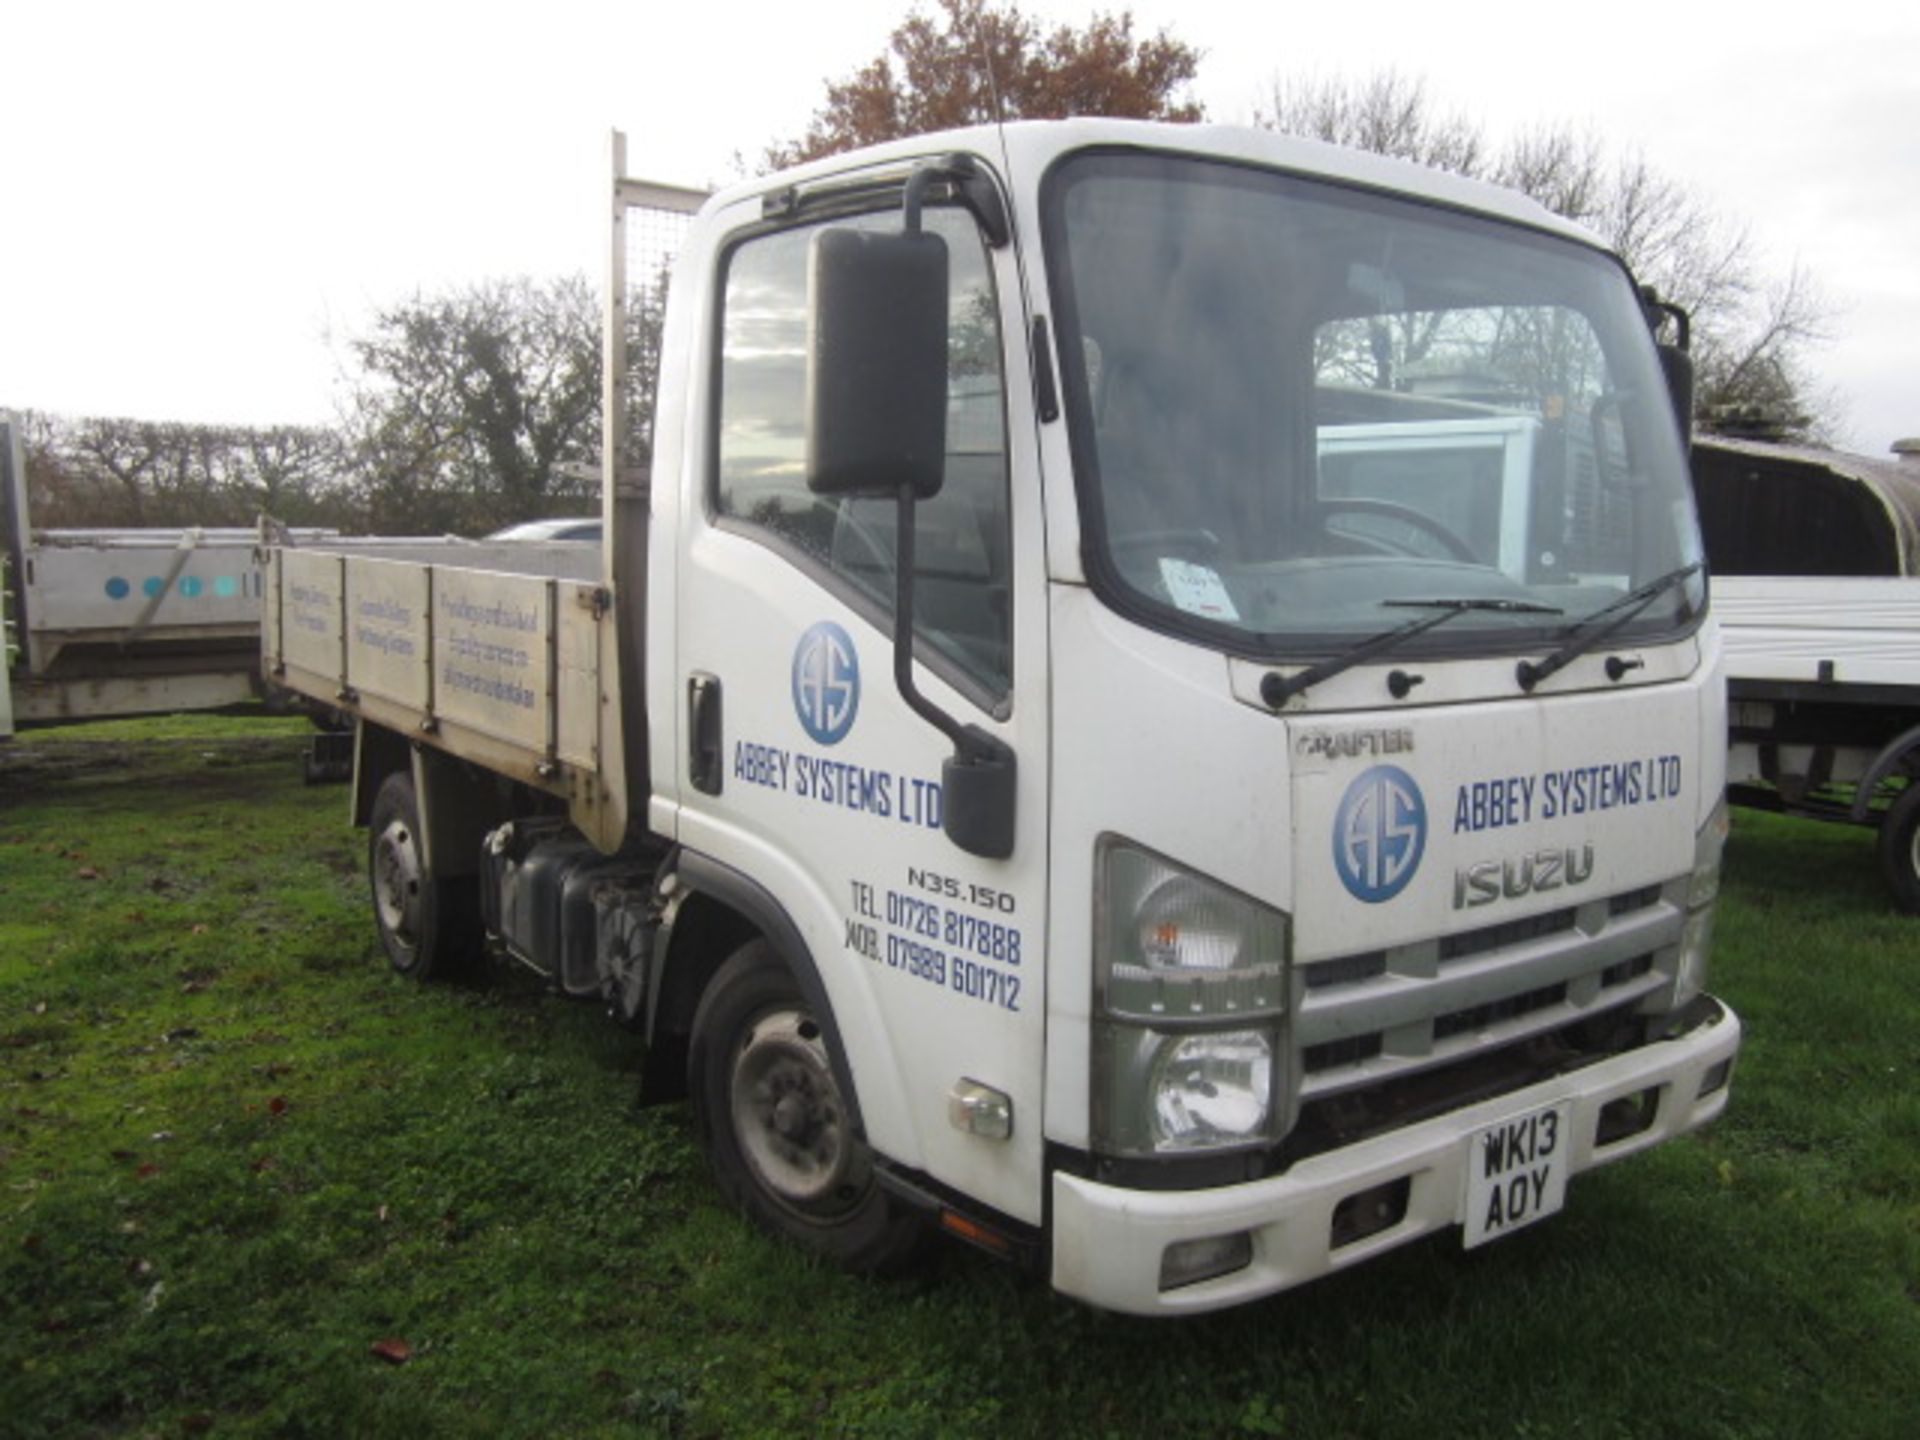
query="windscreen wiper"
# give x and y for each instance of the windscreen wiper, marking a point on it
(1276, 689)
(1590, 630)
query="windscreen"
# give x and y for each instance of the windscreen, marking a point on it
(1296, 404)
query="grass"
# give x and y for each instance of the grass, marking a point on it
(242, 723)
(235, 1154)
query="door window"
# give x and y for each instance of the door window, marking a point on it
(962, 611)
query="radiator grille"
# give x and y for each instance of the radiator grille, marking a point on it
(1380, 1016)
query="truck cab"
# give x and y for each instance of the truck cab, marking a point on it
(1193, 450)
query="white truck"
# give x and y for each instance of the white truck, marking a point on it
(1816, 564)
(1022, 782)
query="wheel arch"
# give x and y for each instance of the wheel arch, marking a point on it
(377, 753)
(458, 803)
(715, 910)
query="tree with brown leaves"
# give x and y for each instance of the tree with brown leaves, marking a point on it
(942, 69)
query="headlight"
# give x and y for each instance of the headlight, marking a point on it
(1708, 846)
(1696, 943)
(1161, 1092)
(1703, 889)
(1171, 944)
(1177, 956)
(1213, 1088)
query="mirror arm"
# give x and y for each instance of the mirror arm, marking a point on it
(966, 182)
(915, 197)
(1660, 311)
(977, 782)
(971, 744)
(967, 739)
(903, 565)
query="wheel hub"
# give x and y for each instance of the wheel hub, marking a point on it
(396, 881)
(791, 1118)
(793, 1128)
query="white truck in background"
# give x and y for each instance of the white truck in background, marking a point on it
(112, 622)
(1816, 565)
(1037, 760)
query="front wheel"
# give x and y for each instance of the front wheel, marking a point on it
(1900, 848)
(778, 1133)
(429, 926)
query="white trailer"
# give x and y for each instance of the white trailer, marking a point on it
(1020, 784)
(1816, 559)
(109, 622)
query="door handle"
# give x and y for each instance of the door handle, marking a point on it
(706, 758)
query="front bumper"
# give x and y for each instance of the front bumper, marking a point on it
(1108, 1242)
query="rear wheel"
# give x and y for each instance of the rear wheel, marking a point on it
(1900, 848)
(777, 1130)
(429, 926)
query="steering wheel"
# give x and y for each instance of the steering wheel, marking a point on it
(850, 526)
(1455, 547)
(1194, 543)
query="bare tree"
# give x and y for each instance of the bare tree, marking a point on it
(1751, 334)
(109, 471)
(294, 473)
(1758, 384)
(1387, 113)
(934, 76)
(138, 462)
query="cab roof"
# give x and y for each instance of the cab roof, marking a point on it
(1025, 149)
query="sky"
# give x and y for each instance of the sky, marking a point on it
(201, 202)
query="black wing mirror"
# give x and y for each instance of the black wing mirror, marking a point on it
(877, 363)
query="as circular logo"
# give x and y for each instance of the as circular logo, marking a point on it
(1379, 833)
(826, 682)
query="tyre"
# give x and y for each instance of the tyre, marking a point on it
(429, 927)
(1900, 848)
(778, 1133)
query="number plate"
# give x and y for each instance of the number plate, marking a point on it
(1517, 1173)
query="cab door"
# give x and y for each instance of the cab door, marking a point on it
(799, 764)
